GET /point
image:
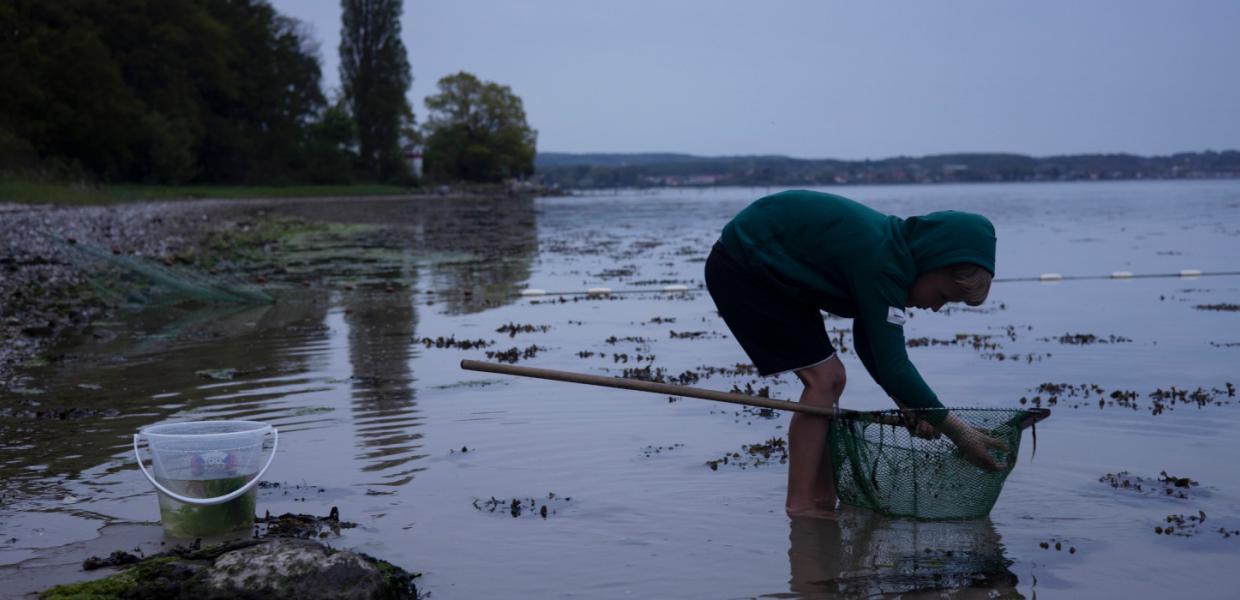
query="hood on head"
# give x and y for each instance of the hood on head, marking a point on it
(950, 237)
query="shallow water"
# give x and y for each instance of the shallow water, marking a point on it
(391, 431)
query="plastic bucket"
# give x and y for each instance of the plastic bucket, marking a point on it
(206, 473)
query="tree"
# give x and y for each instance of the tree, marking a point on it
(330, 154)
(374, 73)
(476, 131)
(261, 110)
(168, 91)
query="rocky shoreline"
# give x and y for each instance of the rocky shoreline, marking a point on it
(50, 292)
(45, 292)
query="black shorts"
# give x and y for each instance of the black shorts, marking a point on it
(779, 333)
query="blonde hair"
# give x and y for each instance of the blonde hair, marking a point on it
(974, 282)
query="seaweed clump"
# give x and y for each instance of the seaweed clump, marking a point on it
(1222, 307)
(1086, 339)
(522, 506)
(118, 558)
(514, 354)
(1190, 525)
(452, 342)
(301, 526)
(1160, 400)
(754, 455)
(1163, 485)
(512, 329)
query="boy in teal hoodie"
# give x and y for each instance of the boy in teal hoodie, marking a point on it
(789, 255)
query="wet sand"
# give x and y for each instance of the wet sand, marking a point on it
(384, 425)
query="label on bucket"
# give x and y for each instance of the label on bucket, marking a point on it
(214, 463)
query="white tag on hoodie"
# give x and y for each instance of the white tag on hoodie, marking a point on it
(895, 316)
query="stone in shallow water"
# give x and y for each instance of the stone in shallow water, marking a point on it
(296, 569)
(261, 569)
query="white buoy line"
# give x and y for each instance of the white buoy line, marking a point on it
(599, 292)
(606, 291)
(1181, 274)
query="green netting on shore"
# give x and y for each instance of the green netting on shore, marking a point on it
(143, 281)
(881, 465)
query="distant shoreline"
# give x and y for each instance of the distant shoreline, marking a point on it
(654, 170)
(568, 192)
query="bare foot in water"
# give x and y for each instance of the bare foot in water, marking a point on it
(812, 512)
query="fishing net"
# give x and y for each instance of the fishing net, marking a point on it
(138, 280)
(882, 465)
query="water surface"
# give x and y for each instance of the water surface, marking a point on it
(386, 427)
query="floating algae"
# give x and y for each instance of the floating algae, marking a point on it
(512, 329)
(523, 506)
(512, 355)
(1222, 307)
(183, 520)
(1163, 486)
(754, 455)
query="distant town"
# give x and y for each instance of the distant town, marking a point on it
(585, 171)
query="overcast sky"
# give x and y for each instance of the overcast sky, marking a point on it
(823, 79)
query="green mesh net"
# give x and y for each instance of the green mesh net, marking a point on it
(881, 465)
(138, 280)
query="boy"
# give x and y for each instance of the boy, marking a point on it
(788, 255)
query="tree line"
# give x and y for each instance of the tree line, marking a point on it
(230, 91)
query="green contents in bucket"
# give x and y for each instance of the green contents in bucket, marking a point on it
(887, 469)
(206, 474)
(183, 520)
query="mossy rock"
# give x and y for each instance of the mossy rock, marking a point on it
(257, 569)
(148, 579)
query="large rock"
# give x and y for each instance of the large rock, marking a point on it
(296, 569)
(259, 569)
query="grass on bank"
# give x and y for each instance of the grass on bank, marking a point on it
(31, 192)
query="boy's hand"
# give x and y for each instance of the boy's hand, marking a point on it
(925, 431)
(974, 444)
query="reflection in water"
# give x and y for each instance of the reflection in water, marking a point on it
(70, 417)
(862, 554)
(501, 238)
(380, 330)
(477, 249)
(88, 405)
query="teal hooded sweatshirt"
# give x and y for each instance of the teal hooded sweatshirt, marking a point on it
(853, 261)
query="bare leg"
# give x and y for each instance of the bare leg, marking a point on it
(811, 487)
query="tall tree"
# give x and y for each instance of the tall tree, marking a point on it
(477, 131)
(374, 72)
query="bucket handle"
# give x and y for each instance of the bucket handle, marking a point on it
(275, 442)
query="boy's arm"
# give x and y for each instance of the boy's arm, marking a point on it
(891, 368)
(878, 335)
